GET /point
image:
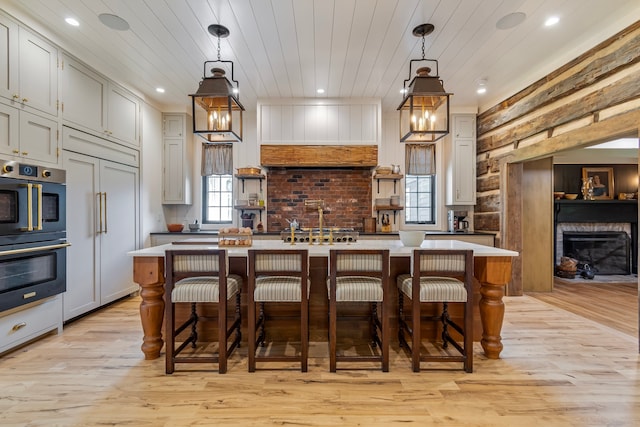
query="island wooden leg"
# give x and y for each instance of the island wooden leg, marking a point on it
(148, 272)
(493, 273)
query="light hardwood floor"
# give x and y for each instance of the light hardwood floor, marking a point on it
(557, 369)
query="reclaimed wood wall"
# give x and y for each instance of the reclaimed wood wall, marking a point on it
(595, 96)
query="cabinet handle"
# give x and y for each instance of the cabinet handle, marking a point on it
(18, 326)
(100, 212)
(25, 153)
(16, 151)
(25, 100)
(16, 96)
(106, 229)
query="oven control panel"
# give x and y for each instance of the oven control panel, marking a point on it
(14, 169)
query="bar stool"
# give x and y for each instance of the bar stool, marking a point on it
(443, 276)
(360, 276)
(277, 276)
(196, 277)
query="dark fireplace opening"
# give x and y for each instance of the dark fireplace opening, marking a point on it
(606, 252)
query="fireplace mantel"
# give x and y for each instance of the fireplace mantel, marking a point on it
(596, 211)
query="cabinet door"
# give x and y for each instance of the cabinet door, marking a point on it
(83, 268)
(119, 186)
(38, 138)
(464, 171)
(173, 173)
(83, 96)
(123, 115)
(38, 73)
(9, 123)
(177, 157)
(173, 125)
(8, 58)
(464, 126)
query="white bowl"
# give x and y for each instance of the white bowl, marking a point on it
(413, 238)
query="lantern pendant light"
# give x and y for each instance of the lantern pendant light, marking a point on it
(216, 107)
(424, 111)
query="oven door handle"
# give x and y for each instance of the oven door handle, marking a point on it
(36, 249)
(39, 188)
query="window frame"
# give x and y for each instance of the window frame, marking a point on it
(205, 196)
(433, 199)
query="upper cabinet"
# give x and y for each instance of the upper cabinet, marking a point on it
(28, 69)
(24, 135)
(460, 148)
(94, 104)
(177, 154)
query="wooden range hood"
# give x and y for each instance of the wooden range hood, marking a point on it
(310, 156)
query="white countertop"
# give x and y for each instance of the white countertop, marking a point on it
(395, 247)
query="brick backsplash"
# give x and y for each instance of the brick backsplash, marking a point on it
(346, 193)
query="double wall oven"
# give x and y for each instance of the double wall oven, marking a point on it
(33, 237)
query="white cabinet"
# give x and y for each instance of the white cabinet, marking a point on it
(460, 148)
(24, 323)
(26, 135)
(102, 226)
(177, 157)
(92, 103)
(28, 69)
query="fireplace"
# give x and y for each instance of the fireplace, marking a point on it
(599, 229)
(605, 252)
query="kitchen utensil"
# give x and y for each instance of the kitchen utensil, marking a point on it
(383, 202)
(369, 225)
(396, 169)
(394, 201)
(570, 196)
(194, 227)
(558, 194)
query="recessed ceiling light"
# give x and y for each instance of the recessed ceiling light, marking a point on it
(482, 86)
(403, 91)
(320, 91)
(72, 21)
(511, 20)
(552, 20)
(160, 89)
(114, 22)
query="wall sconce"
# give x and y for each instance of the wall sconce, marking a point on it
(216, 107)
(424, 111)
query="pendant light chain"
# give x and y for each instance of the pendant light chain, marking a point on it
(219, 48)
(423, 47)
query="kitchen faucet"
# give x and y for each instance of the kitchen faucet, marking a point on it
(319, 203)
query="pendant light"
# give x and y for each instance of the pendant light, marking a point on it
(424, 111)
(216, 107)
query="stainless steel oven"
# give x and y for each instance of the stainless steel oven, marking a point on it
(33, 237)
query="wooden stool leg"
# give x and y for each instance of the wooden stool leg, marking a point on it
(415, 333)
(304, 335)
(251, 314)
(222, 337)
(332, 335)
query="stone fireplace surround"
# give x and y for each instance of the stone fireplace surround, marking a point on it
(597, 216)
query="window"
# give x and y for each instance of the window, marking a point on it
(420, 197)
(217, 199)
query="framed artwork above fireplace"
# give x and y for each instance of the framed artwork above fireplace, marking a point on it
(602, 181)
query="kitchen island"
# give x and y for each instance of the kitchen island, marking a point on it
(492, 270)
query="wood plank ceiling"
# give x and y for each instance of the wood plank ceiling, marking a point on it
(350, 48)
